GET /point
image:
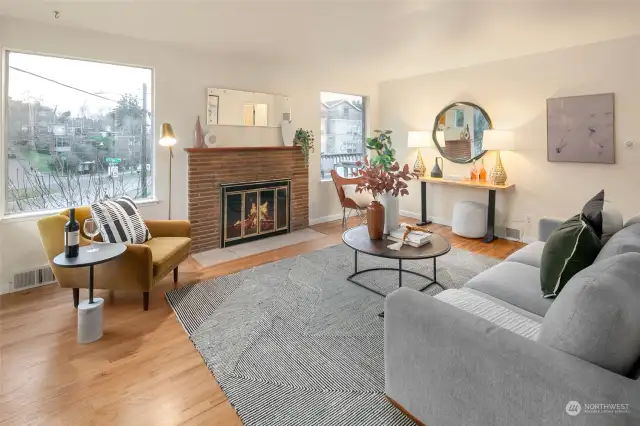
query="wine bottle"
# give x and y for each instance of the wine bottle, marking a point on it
(71, 235)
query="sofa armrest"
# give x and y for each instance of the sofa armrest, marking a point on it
(169, 228)
(448, 367)
(546, 226)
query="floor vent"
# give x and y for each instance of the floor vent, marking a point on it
(33, 278)
(512, 234)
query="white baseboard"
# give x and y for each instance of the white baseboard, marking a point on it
(499, 231)
(324, 219)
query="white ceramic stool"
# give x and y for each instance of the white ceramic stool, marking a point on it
(90, 320)
(469, 219)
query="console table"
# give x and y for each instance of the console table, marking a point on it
(491, 214)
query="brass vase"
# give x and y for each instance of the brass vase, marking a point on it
(375, 220)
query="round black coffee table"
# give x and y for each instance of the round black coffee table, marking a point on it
(358, 239)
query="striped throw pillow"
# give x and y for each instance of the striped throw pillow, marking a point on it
(120, 221)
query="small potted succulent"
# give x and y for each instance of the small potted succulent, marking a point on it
(304, 139)
(380, 182)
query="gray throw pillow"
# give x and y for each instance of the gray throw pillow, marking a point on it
(596, 317)
(611, 223)
(570, 248)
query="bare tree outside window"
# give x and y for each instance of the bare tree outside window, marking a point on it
(342, 141)
(78, 132)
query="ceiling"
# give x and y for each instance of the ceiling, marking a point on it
(387, 39)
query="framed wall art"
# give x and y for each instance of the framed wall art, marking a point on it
(580, 129)
(212, 108)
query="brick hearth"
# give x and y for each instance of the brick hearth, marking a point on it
(211, 167)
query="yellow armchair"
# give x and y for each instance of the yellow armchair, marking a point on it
(139, 268)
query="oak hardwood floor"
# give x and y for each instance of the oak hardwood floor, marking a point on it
(144, 371)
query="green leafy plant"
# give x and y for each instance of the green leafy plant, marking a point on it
(304, 139)
(382, 145)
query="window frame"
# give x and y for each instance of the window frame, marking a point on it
(365, 123)
(4, 125)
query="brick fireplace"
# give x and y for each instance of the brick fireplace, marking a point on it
(213, 169)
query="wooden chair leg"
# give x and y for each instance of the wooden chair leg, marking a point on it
(76, 297)
(175, 275)
(145, 300)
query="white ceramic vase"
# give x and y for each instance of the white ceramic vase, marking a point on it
(288, 132)
(391, 212)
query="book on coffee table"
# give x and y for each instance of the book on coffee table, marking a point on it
(414, 238)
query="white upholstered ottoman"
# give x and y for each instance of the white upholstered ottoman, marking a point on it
(469, 219)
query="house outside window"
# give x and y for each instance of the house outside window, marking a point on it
(342, 140)
(71, 124)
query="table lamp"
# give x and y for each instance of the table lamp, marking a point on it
(498, 140)
(419, 139)
(168, 138)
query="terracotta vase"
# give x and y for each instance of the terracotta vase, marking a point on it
(375, 220)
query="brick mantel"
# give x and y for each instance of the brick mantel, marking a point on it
(211, 167)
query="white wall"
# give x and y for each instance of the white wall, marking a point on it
(514, 93)
(181, 81)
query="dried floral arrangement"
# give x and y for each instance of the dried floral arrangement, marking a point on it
(377, 180)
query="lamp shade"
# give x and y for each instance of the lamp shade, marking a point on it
(168, 138)
(418, 139)
(497, 140)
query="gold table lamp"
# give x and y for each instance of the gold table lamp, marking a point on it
(419, 139)
(168, 139)
(498, 140)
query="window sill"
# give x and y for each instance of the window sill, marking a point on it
(34, 216)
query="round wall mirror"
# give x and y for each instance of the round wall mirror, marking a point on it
(458, 130)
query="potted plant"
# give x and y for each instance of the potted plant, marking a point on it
(385, 157)
(380, 182)
(304, 139)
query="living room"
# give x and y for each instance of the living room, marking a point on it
(273, 330)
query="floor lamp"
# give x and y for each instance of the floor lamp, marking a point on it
(168, 139)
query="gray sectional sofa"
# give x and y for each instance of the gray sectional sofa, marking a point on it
(497, 353)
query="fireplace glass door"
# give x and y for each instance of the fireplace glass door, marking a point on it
(254, 210)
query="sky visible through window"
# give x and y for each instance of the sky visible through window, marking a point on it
(107, 81)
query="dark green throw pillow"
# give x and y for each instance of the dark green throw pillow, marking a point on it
(570, 248)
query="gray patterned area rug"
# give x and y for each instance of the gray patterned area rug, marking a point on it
(294, 343)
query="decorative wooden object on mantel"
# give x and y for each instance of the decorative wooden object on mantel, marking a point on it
(209, 168)
(491, 215)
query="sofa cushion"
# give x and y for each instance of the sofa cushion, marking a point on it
(571, 248)
(485, 307)
(515, 283)
(596, 317)
(624, 241)
(531, 254)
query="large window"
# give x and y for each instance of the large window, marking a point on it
(77, 132)
(342, 142)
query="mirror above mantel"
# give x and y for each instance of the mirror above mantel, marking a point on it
(227, 107)
(458, 131)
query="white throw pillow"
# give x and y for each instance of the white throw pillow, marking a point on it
(611, 222)
(362, 199)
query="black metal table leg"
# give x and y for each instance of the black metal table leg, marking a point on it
(423, 205)
(399, 273)
(91, 284)
(356, 262)
(491, 217)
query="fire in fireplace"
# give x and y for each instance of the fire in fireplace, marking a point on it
(254, 210)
